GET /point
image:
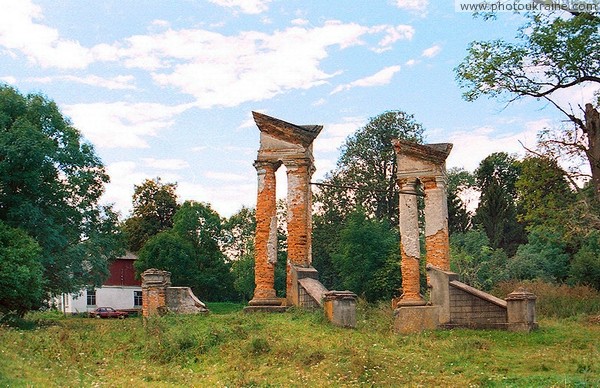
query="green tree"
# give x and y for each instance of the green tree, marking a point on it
(238, 234)
(476, 262)
(368, 258)
(20, 271)
(190, 251)
(544, 193)
(585, 267)
(459, 218)
(365, 175)
(50, 185)
(154, 205)
(552, 52)
(496, 213)
(544, 257)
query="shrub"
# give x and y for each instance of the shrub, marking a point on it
(556, 300)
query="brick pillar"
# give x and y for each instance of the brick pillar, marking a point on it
(299, 216)
(436, 223)
(265, 239)
(154, 292)
(409, 243)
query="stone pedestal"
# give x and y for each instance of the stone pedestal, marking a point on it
(520, 305)
(340, 308)
(154, 292)
(415, 319)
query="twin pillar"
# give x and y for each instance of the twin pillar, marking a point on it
(299, 225)
(282, 143)
(421, 167)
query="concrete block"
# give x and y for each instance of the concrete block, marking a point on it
(340, 308)
(414, 319)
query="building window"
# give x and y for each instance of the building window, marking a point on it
(137, 298)
(91, 297)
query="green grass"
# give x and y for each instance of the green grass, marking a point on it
(297, 348)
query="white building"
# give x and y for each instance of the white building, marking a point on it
(121, 290)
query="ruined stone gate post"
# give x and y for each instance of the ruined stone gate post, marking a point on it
(291, 145)
(421, 166)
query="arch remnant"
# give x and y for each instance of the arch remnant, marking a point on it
(291, 145)
(424, 166)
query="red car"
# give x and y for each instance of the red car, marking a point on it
(108, 312)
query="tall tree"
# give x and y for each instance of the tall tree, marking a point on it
(552, 52)
(544, 193)
(51, 181)
(496, 214)
(190, 250)
(20, 271)
(365, 175)
(459, 182)
(368, 257)
(154, 205)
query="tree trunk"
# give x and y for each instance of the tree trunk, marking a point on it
(592, 129)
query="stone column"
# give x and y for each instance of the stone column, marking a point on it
(436, 223)
(299, 215)
(409, 243)
(520, 308)
(265, 240)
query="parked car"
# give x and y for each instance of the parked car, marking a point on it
(108, 312)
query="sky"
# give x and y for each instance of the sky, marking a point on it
(166, 88)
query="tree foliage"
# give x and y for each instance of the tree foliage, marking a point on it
(20, 271)
(50, 184)
(365, 175)
(496, 214)
(368, 259)
(544, 193)
(552, 52)
(154, 205)
(190, 251)
(459, 218)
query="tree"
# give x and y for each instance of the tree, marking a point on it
(585, 268)
(190, 251)
(154, 205)
(544, 193)
(459, 218)
(476, 262)
(365, 175)
(544, 257)
(496, 213)
(368, 258)
(50, 185)
(238, 234)
(552, 52)
(20, 271)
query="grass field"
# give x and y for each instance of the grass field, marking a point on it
(297, 348)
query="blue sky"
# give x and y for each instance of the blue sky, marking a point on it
(167, 88)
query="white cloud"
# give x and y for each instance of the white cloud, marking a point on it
(119, 82)
(225, 199)
(122, 124)
(415, 6)
(20, 31)
(123, 176)
(471, 147)
(221, 70)
(432, 51)
(299, 22)
(8, 79)
(226, 177)
(412, 62)
(245, 6)
(333, 135)
(382, 77)
(166, 164)
(394, 34)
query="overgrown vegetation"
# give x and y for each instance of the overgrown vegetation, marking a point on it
(298, 348)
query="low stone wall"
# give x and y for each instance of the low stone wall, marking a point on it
(158, 297)
(455, 304)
